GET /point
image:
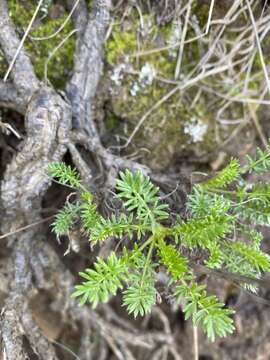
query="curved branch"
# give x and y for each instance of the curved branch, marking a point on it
(110, 160)
(88, 66)
(10, 98)
(47, 121)
(23, 74)
(16, 322)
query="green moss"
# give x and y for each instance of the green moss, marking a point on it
(172, 130)
(202, 13)
(129, 38)
(111, 122)
(120, 43)
(3, 65)
(39, 51)
(163, 132)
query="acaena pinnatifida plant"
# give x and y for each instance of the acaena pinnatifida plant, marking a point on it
(225, 212)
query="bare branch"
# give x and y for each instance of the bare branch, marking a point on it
(81, 165)
(48, 120)
(47, 124)
(17, 324)
(88, 66)
(110, 160)
(22, 72)
(39, 343)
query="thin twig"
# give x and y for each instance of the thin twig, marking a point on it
(195, 342)
(186, 41)
(26, 227)
(182, 44)
(209, 17)
(60, 28)
(53, 53)
(9, 129)
(180, 87)
(259, 46)
(65, 348)
(257, 125)
(23, 40)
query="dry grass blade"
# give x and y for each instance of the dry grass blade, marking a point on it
(23, 40)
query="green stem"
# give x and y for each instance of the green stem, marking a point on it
(144, 245)
(153, 238)
(148, 209)
(221, 191)
(255, 163)
(80, 186)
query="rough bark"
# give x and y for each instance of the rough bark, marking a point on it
(10, 98)
(47, 122)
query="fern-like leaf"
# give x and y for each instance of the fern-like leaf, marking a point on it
(213, 317)
(218, 216)
(175, 262)
(260, 162)
(89, 216)
(203, 232)
(102, 281)
(140, 297)
(215, 259)
(224, 177)
(259, 192)
(65, 219)
(256, 258)
(140, 195)
(205, 310)
(117, 227)
(65, 174)
(255, 212)
(201, 203)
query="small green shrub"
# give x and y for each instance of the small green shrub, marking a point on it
(224, 214)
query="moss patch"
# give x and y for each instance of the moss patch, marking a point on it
(61, 63)
(139, 79)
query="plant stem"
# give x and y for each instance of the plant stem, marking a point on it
(230, 192)
(145, 244)
(195, 342)
(153, 239)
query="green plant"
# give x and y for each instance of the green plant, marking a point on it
(223, 214)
